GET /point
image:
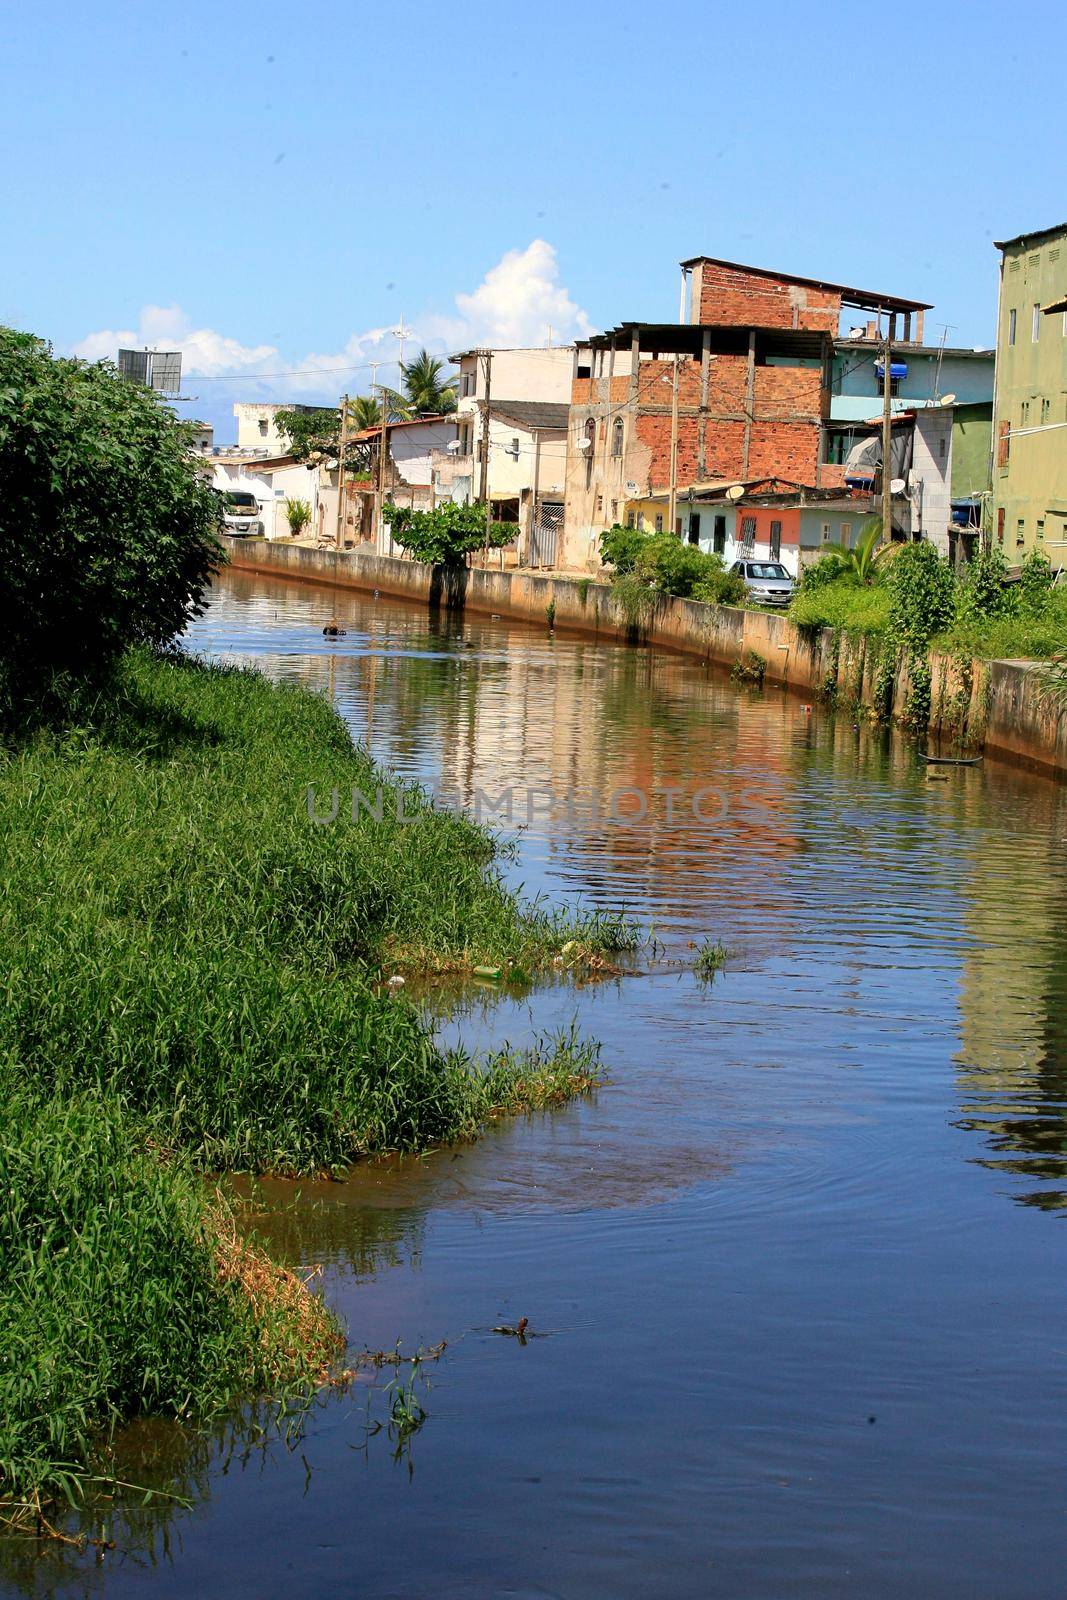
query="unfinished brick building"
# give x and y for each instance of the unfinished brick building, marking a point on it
(751, 360)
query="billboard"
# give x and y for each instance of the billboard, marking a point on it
(160, 370)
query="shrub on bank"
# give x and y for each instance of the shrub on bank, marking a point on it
(109, 533)
(122, 1293)
(841, 603)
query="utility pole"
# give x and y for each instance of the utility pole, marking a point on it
(532, 539)
(887, 435)
(672, 499)
(485, 444)
(382, 441)
(341, 473)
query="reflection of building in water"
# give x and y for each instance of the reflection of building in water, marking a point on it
(1013, 997)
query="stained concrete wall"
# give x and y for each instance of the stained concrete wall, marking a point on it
(1000, 706)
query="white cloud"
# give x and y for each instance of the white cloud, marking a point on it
(517, 302)
(204, 352)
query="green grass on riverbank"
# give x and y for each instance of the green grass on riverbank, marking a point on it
(192, 982)
(854, 609)
(176, 931)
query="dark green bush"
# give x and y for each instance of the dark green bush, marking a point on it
(107, 531)
(619, 547)
(674, 568)
(830, 568)
(922, 593)
(982, 590)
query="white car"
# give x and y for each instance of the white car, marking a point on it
(767, 582)
(240, 512)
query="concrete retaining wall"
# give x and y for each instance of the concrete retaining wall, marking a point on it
(1000, 707)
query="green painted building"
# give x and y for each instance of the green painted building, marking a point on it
(1030, 404)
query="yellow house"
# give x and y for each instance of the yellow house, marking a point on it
(1030, 406)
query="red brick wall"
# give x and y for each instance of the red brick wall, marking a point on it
(751, 300)
(784, 450)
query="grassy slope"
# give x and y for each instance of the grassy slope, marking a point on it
(857, 610)
(189, 981)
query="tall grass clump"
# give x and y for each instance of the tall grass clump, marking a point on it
(123, 1292)
(174, 929)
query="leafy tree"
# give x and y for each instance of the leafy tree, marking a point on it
(108, 531)
(446, 535)
(310, 432)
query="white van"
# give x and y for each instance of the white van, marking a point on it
(240, 510)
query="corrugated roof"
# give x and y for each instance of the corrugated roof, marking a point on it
(540, 415)
(862, 297)
(1027, 238)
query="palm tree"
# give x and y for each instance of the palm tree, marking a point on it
(424, 392)
(859, 561)
(364, 411)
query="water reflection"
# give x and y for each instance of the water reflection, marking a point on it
(782, 1214)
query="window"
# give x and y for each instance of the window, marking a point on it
(1039, 528)
(659, 524)
(942, 446)
(825, 531)
(640, 522)
(1045, 407)
(1003, 445)
(894, 383)
(718, 536)
(776, 540)
(748, 532)
(263, 426)
(630, 519)
(513, 448)
(1035, 326)
(468, 383)
(1024, 413)
(1020, 531)
(616, 437)
(614, 512)
(694, 527)
(1011, 326)
(600, 505)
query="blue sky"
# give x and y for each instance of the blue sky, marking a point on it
(277, 184)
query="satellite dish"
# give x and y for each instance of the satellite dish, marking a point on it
(947, 400)
(585, 444)
(897, 486)
(735, 491)
(631, 490)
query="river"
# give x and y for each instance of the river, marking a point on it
(797, 1268)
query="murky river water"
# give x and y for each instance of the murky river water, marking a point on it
(800, 1264)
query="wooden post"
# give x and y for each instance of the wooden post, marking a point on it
(341, 473)
(672, 497)
(486, 404)
(887, 438)
(383, 444)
